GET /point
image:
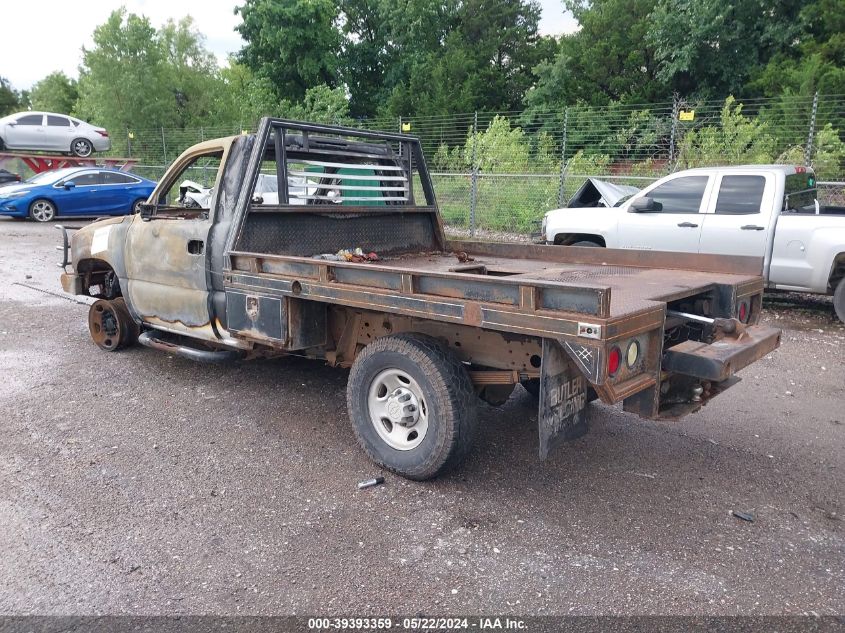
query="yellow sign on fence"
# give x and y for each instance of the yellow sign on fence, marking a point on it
(687, 115)
(406, 127)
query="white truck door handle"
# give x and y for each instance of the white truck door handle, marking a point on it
(687, 225)
(752, 227)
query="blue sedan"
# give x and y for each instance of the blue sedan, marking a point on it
(81, 191)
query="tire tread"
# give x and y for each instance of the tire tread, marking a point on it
(455, 391)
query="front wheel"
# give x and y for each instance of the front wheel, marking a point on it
(587, 244)
(839, 300)
(42, 210)
(111, 326)
(412, 405)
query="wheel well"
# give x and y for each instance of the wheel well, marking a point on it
(567, 239)
(50, 200)
(100, 279)
(837, 272)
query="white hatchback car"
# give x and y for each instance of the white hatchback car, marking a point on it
(46, 131)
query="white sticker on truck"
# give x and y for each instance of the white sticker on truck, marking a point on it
(100, 242)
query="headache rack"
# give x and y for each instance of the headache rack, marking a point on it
(338, 188)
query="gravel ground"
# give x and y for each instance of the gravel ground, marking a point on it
(138, 483)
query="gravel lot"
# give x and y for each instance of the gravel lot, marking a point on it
(141, 483)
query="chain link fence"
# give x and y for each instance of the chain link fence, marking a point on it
(501, 171)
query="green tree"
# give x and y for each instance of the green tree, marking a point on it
(189, 72)
(608, 59)
(482, 60)
(136, 77)
(320, 105)
(55, 93)
(243, 97)
(736, 139)
(293, 43)
(813, 61)
(122, 81)
(712, 48)
(10, 99)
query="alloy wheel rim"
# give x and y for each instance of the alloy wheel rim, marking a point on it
(82, 148)
(43, 211)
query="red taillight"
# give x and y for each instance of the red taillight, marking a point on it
(18, 177)
(743, 311)
(614, 359)
(103, 133)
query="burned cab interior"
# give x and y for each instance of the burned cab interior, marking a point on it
(188, 192)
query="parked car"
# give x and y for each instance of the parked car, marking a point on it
(87, 191)
(766, 211)
(47, 131)
(7, 177)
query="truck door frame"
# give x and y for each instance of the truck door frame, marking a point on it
(167, 258)
(685, 225)
(745, 225)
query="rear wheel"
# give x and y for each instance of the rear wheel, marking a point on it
(81, 147)
(42, 210)
(587, 244)
(136, 206)
(839, 300)
(412, 405)
(111, 326)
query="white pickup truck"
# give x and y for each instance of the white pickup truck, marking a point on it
(768, 211)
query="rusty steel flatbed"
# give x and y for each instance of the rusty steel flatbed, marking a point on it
(541, 290)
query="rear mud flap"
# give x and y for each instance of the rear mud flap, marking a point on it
(563, 396)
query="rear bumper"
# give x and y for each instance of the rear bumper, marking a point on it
(101, 144)
(721, 359)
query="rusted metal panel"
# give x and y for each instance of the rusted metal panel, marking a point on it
(730, 264)
(475, 290)
(256, 316)
(575, 298)
(723, 358)
(291, 323)
(361, 276)
(307, 231)
(563, 396)
(588, 357)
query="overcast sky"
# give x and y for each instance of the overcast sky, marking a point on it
(38, 39)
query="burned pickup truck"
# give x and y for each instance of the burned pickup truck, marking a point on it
(346, 260)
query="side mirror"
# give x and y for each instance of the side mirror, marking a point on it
(12, 124)
(69, 185)
(147, 211)
(644, 205)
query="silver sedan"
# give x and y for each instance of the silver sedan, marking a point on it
(46, 131)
